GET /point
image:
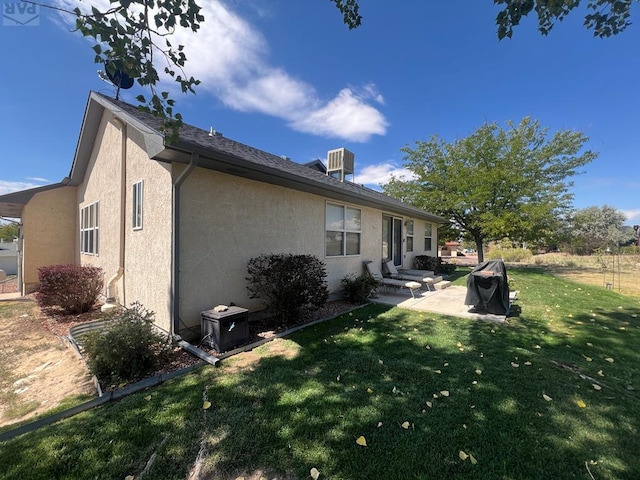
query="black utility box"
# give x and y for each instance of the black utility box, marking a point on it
(225, 330)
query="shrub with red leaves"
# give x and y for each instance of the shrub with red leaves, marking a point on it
(72, 288)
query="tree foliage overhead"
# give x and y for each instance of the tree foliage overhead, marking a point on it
(497, 182)
(133, 37)
(604, 17)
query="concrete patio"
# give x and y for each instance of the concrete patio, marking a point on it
(448, 301)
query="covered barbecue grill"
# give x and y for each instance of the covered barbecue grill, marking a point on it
(488, 288)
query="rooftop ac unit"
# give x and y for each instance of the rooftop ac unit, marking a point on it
(340, 163)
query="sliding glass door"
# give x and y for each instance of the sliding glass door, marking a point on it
(392, 239)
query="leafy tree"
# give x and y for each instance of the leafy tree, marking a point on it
(497, 182)
(8, 232)
(605, 17)
(596, 228)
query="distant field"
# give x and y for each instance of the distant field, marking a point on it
(622, 272)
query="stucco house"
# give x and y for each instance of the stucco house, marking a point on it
(174, 225)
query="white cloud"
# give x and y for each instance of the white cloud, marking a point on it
(231, 58)
(38, 179)
(633, 216)
(381, 173)
(348, 116)
(8, 186)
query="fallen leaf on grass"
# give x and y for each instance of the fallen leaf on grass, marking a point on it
(596, 387)
(463, 456)
(379, 424)
(147, 398)
(444, 393)
(369, 391)
(581, 404)
(600, 373)
(361, 441)
(546, 397)
(589, 344)
(315, 473)
(588, 359)
(380, 362)
(405, 425)
(609, 359)
(515, 365)
(429, 404)
(528, 364)
(206, 405)
(129, 477)
(479, 372)
(438, 371)
(473, 459)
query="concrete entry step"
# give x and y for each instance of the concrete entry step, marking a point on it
(442, 284)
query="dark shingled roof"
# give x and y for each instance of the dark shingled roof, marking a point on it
(244, 160)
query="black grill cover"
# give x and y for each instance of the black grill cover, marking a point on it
(488, 288)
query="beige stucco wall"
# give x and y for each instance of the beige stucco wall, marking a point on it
(418, 242)
(147, 252)
(226, 220)
(48, 233)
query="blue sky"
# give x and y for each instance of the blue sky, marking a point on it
(288, 77)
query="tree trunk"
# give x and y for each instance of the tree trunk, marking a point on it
(479, 248)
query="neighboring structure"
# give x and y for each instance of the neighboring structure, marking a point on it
(450, 249)
(9, 257)
(173, 226)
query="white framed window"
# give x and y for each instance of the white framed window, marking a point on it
(428, 232)
(137, 206)
(343, 228)
(89, 232)
(409, 227)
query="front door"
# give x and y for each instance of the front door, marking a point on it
(392, 239)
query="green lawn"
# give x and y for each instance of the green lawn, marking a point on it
(369, 372)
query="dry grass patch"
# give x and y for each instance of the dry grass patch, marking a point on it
(622, 272)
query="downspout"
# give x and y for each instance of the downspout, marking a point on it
(175, 253)
(111, 303)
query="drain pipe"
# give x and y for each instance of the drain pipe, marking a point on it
(111, 303)
(175, 254)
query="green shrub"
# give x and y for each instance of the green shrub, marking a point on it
(72, 288)
(434, 264)
(357, 288)
(290, 286)
(129, 348)
(510, 254)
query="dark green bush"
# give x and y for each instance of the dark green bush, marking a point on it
(72, 288)
(435, 264)
(357, 288)
(129, 348)
(290, 286)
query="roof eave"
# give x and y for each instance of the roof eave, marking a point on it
(231, 165)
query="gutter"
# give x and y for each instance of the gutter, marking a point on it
(175, 250)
